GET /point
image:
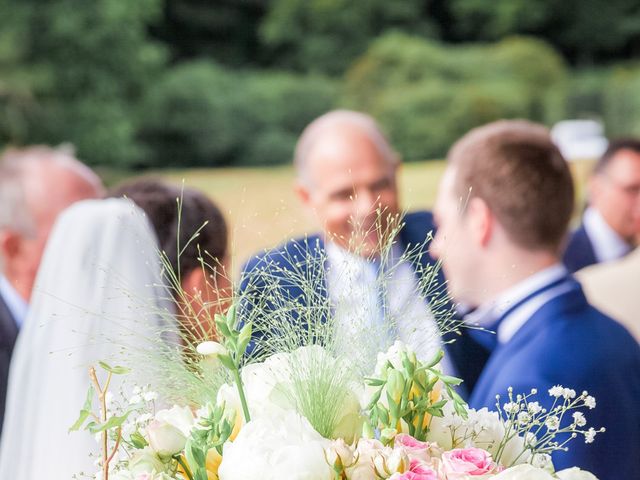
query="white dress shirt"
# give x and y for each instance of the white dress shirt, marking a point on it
(487, 314)
(15, 303)
(373, 308)
(607, 244)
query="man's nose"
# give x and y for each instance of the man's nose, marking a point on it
(366, 202)
(435, 249)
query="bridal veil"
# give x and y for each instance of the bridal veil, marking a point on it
(97, 297)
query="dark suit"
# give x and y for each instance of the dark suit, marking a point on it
(579, 252)
(304, 257)
(568, 342)
(8, 335)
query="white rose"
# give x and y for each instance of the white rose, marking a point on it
(168, 432)
(483, 427)
(575, 474)
(277, 447)
(166, 440)
(523, 472)
(145, 461)
(179, 417)
(366, 451)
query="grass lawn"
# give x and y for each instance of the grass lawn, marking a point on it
(262, 210)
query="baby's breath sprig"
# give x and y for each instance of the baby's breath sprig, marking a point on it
(540, 427)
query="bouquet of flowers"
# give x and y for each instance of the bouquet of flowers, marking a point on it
(300, 415)
(303, 404)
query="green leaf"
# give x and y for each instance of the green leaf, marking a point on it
(434, 361)
(244, 338)
(137, 440)
(227, 362)
(231, 316)
(223, 328)
(408, 366)
(374, 382)
(117, 370)
(451, 380)
(112, 422)
(85, 411)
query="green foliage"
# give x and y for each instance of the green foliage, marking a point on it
(621, 101)
(85, 65)
(202, 114)
(326, 35)
(586, 93)
(223, 30)
(406, 396)
(584, 30)
(427, 94)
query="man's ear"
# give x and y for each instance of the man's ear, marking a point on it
(10, 244)
(481, 221)
(193, 282)
(302, 192)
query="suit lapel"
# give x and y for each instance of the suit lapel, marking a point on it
(558, 306)
(8, 327)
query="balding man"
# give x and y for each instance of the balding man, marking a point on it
(346, 176)
(36, 184)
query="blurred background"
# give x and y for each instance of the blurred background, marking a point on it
(215, 92)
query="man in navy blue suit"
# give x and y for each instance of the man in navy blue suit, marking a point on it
(36, 184)
(502, 210)
(611, 222)
(346, 177)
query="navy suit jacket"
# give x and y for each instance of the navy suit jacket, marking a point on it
(579, 252)
(304, 257)
(568, 342)
(8, 335)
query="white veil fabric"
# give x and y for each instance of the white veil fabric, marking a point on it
(97, 297)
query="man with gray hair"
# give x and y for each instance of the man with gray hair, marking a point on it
(346, 178)
(36, 184)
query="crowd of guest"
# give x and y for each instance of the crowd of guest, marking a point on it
(547, 305)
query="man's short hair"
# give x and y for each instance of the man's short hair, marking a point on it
(514, 166)
(16, 164)
(176, 214)
(615, 146)
(332, 120)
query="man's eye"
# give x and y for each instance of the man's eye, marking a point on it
(342, 195)
(381, 185)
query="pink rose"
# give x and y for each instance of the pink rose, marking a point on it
(414, 448)
(417, 471)
(461, 463)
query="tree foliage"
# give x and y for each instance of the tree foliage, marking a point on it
(327, 35)
(428, 94)
(202, 114)
(586, 31)
(85, 64)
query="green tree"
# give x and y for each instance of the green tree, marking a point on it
(428, 94)
(85, 66)
(200, 113)
(326, 35)
(223, 30)
(586, 31)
